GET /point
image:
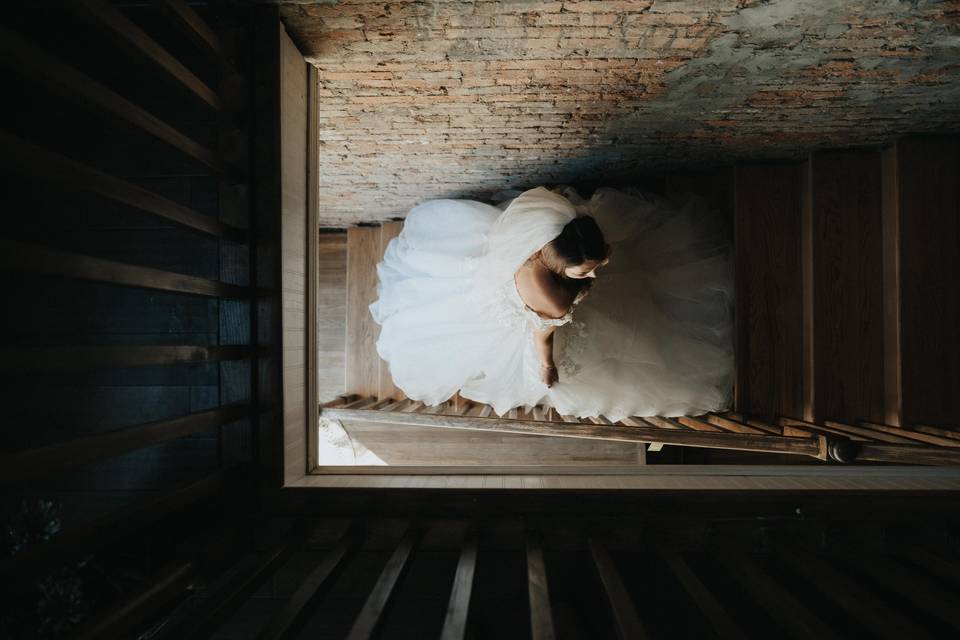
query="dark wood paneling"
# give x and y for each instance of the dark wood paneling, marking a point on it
(929, 221)
(44, 165)
(38, 66)
(128, 33)
(847, 309)
(38, 259)
(19, 466)
(768, 286)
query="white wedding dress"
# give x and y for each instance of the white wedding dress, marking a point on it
(652, 337)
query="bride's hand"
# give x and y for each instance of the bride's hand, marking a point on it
(548, 375)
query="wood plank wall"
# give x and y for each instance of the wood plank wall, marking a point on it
(128, 291)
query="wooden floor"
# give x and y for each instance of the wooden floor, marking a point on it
(349, 363)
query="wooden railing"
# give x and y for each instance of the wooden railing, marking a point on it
(829, 441)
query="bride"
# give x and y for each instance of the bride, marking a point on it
(620, 305)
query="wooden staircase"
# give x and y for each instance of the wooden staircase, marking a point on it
(848, 304)
(847, 317)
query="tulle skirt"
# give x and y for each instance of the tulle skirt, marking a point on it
(653, 337)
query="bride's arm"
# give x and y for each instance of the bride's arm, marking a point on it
(543, 339)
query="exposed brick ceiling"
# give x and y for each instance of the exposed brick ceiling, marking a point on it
(434, 99)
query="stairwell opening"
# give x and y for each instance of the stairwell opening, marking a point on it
(756, 107)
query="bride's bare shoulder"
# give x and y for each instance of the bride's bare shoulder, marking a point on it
(540, 291)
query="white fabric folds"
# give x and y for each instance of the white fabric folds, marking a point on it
(653, 337)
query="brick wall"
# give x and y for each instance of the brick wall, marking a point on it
(437, 99)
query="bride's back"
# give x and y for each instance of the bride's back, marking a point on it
(540, 290)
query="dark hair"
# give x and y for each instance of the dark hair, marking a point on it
(581, 240)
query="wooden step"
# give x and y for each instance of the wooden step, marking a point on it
(362, 361)
(331, 315)
(769, 331)
(842, 262)
(921, 245)
(385, 386)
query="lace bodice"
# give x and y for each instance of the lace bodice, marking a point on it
(510, 309)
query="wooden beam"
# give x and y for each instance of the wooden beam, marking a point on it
(685, 437)
(89, 538)
(538, 591)
(298, 605)
(140, 606)
(458, 609)
(20, 256)
(123, 29)
(232, 589)
(862, 605)
(195, 28)
(626, 620)
(23, 465)
(723, 624)
(796, 620)
(19, 360)
(911, 586)
(369, 616)
(27, 158)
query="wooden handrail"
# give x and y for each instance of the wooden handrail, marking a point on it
(27, 158)
(814, 447)
(834, 441)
